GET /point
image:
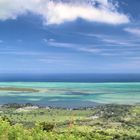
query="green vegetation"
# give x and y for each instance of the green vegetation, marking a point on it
(108, 122)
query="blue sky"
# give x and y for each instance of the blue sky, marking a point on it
(69, 36)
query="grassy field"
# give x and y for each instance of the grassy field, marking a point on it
(108, 122)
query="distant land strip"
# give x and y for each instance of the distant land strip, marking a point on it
(18, 89)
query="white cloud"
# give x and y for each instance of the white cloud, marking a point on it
(90, 50)
(62, 45)
(77, 47)
(57, 12)
(119, 42)
(110, 40)
(134, 31)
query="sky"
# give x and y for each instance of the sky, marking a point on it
(69, 36)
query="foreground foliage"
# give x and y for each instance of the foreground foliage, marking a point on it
(109, 122)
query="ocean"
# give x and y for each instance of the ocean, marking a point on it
(71, 94)
(83, 78)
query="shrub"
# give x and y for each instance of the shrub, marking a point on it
(47, 126)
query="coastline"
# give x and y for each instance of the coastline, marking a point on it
(36, 106)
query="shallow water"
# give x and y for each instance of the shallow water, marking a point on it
(72, 94)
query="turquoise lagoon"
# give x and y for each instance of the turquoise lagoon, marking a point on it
(64, 94)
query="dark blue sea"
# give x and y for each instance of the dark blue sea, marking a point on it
(70, 78)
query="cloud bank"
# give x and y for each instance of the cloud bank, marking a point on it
(60, 11)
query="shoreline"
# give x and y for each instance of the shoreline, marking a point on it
(16, 105)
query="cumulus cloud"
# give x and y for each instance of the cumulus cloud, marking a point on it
(60, 11)
(135, 31)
